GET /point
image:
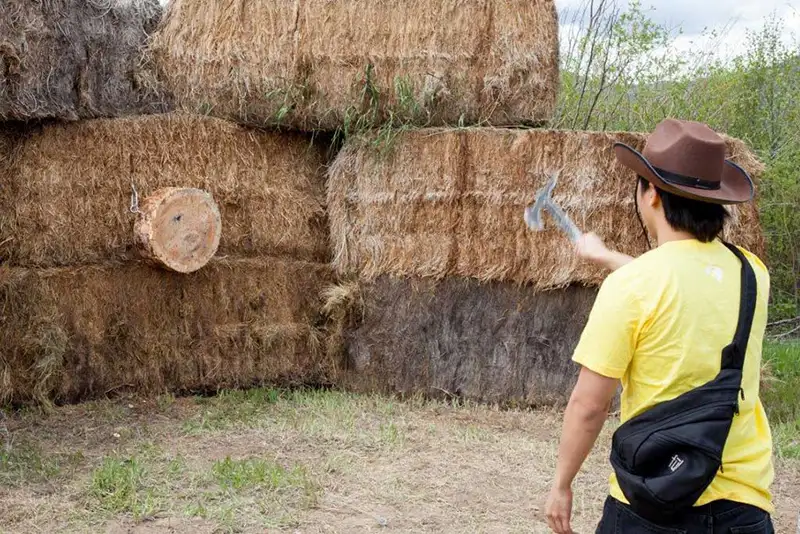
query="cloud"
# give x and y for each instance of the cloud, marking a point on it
(696, 16)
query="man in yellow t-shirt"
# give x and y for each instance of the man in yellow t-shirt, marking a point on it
(658, 327)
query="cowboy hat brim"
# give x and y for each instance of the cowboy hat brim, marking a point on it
(736, 186)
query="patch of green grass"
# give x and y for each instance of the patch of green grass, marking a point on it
(125, 485)
(232, 408)
(786, 437)
(391, 434)
(780, 396)
(317, 412)
(257, 473)
(407, 105)
(235, 495)
(255, 491)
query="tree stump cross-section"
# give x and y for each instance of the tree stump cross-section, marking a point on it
(178, 228)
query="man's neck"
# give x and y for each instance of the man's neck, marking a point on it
(666, 234)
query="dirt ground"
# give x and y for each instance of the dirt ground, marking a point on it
(299, 462)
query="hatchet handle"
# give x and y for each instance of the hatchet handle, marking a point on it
(563, 221)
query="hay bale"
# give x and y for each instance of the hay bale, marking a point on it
(68, 200)
(443, 203)
(8, 140)
(75, 59)
(178, 229)
(320, 64)
(71, 334)
(488, 342)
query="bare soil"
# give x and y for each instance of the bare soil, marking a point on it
(312, 462)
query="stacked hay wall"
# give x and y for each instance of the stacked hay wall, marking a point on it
(84, 316)
(450, 203)
(447, 289)
(74, 333)
(490, 342)
(74, 59)
(7, 144)
(319, 64)
(70, 199)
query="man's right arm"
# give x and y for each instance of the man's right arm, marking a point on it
(592, 248)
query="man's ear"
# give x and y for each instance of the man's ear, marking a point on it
(653, 197)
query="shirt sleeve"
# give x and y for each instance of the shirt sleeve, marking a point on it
(609, 338)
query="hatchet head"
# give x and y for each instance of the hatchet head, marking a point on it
(533, 214)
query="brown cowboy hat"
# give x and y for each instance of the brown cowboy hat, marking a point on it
(688, 159)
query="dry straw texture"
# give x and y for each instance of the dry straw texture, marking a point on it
(7, 143)
(77, 333)
(443, 203)
(74, 59)
(68, 199)
(321, 64)
(489, 342)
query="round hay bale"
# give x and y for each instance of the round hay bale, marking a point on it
(317, 64)
(178, 228)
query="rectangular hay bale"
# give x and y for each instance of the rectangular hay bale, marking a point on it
(67, 199)
(77, 59)
(489, 342)
(441, 202)
(315, 64)
(72, 334)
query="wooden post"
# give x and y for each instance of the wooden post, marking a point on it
(178, 228)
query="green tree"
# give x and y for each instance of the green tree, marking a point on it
(618, 74)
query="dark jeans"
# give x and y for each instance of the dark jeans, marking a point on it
(719, 517)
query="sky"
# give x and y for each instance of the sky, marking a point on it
(695, 16)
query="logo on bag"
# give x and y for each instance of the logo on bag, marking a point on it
(676, 463)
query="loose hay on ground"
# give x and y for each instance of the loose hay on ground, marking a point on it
(320, 64)
(489, 342)
(76, 333)
(75, 59)
(68, 198)
(444, 202)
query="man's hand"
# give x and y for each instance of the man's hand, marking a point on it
(583, 420)
(559, 510)
(590, 247)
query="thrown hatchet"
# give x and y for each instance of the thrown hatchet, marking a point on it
(533, 214)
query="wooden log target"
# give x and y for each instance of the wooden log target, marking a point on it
(178, 228)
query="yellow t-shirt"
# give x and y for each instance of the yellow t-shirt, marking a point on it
(659, 324)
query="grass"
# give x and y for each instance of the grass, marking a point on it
(231, 408)
(780, 396)
(234, 494)
(125, 485)
(255, 472)
(25, 464)
(306, 460)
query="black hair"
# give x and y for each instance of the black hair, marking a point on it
(703, 220)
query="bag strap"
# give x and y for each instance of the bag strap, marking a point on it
(733, 354)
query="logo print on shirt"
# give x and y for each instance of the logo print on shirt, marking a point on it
(715, 272)
(676, 463)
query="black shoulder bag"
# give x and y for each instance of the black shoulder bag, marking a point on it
(666, 457)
